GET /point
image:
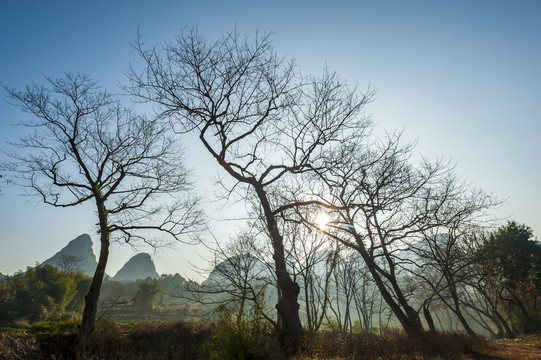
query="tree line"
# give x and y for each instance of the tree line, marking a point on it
(49, 293)
(487, 281)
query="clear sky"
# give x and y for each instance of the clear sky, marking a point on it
(463, 78)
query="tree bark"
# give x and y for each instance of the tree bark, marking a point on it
(91, 299)
(456, 307)
(428, 317)
(292, 333)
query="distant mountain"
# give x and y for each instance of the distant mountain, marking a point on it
(239, 266)
(76, 256)
(138, 267)
(3, 278)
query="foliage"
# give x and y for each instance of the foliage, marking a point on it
(182, 340)
(247, 338)
(511, 261)
(513, 256)
(43, 293)
(54, 327)
(391, 344)
(12, 330)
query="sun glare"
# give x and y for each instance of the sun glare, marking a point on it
(322, 220)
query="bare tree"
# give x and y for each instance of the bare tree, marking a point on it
(355, 291)
(69, 263)
(112, 295)
(444, 266)
(240, 280)
(311, 260)
(380, 204)
(259, 119)
(86, 147)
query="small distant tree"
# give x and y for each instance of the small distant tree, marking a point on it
(443, 266)
(147, 295)
(313, 263)
(240, 282)
(69, 263)
(86, 147)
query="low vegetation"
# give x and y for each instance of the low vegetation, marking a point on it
(221, 340)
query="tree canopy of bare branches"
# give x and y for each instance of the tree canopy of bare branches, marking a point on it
(380, 203)
(258, 117)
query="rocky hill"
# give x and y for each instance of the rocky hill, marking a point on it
(138, 267)
(76, 256)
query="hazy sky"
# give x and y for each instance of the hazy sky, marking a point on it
(463, 78)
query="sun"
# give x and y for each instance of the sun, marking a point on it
(322, 220)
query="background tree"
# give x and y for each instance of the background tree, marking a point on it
(443, 265)
(259, 119)
(85, 146)
(312, 262)
(43, 293)
(511, 260)
(147, 295)
(241, 282)
(113, 294)
(69, 263)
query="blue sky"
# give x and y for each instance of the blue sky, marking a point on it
(462, 78)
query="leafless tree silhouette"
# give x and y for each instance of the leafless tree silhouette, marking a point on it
(260, 120)
(85, 146)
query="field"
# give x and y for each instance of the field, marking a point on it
(186, 340)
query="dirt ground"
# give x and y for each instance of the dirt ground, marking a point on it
(525, 347)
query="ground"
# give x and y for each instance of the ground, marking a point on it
(20, 347)
(525, 347)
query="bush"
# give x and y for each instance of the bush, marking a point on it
(12, 330)
(242, 338)
(54, 327)
(239, 341)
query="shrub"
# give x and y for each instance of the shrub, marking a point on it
(12, 330)
(244, 338)
(54, 327)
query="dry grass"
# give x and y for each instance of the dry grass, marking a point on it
(184, 340)
(390, 345)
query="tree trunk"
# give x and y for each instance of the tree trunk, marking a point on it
(91, 299)
(307, 305)
(292, 333)
(463, 321)
(406, 315)
(456, 307)
(428, 317)
(508, 332)
(530, 324)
